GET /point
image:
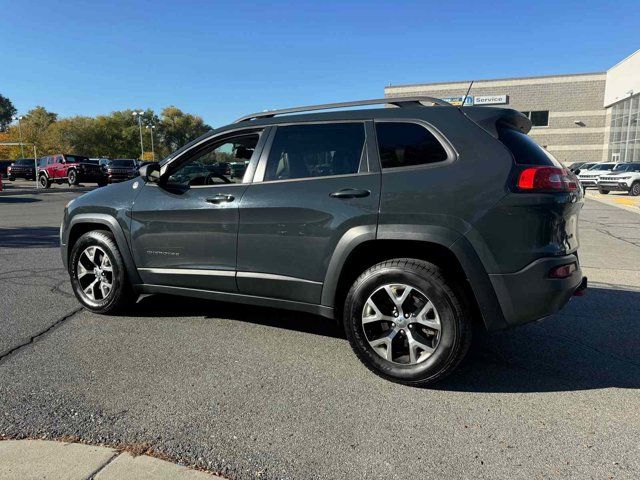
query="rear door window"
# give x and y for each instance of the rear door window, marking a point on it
(306, 151)
(524, 149)
(403, 144)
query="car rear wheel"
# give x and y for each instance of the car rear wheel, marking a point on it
(407, 322)
(98, 274)
(634, 191)
(603, 191)
(72, 178)
(44, 181)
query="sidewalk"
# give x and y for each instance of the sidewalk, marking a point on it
(41, 459)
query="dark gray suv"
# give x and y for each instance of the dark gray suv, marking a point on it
(407, 225)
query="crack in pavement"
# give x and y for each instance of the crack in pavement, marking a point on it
(41, 333)
(607, 232)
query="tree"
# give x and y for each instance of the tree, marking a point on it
(177, 129)
(34, 126)
(7, 111)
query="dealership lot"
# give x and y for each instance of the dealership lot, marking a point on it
(260, 393)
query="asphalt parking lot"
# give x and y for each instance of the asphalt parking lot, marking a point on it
(261, 393)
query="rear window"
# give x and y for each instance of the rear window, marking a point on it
(524, 149)
(407, 144)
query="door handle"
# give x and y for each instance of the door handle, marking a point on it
(350, 193)
(221, 198)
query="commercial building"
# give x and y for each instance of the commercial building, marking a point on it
(577, 117)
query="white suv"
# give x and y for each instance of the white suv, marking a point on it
(589, 178)
(623, 177)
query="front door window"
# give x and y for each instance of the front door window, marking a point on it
(218, 164)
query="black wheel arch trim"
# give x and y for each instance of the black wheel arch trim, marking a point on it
(112, 224)
(461, 248)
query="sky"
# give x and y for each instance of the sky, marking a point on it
(223, 59)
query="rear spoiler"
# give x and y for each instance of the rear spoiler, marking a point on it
(491, 118)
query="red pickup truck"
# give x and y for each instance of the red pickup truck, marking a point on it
(73, 169)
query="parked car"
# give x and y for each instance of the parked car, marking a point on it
(589, 178)
(73, 169)
(120, 169)
(623, 177)
(406, 225)
(22, 168)
(1, 186)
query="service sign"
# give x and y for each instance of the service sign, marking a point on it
(458, 100)
(491, 99)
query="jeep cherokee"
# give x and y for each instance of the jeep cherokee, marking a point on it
(406, 225)
(624, 177)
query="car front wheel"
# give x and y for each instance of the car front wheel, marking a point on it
(98, 274)
(44, 181)
(407, 322)
(603, 191)
(634, 191)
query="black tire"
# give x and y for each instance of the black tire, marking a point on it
(11, 179)
(603, 191)
(455, 321)
(72, 178)
(102, 183)
(121, 294)
(634, 191)
(44, 181)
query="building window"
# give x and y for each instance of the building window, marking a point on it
(539, 118)
(624, 138)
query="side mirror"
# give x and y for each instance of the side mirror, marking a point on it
(150, 172)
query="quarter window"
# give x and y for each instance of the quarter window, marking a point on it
(305, 151)
(406, 144)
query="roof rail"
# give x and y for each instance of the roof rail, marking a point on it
(397, 101)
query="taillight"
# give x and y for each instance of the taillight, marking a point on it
(546, 179)
(563, 271)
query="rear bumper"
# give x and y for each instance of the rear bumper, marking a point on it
(529, 294)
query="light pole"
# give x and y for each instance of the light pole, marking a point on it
(153, 152)
(20, 133)
(139, 114)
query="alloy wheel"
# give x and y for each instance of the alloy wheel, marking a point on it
(401, 324)
(94, 272)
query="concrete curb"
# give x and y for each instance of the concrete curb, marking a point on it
(43, 459)
(614, 201)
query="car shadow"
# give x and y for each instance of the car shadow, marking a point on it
(4, 199)
(30, 237)
(594, 342)
(175, 306)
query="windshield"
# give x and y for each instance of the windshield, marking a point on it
(122, 163)
(627, 167)
(602, 166)
(24, 161)
(77, 159)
